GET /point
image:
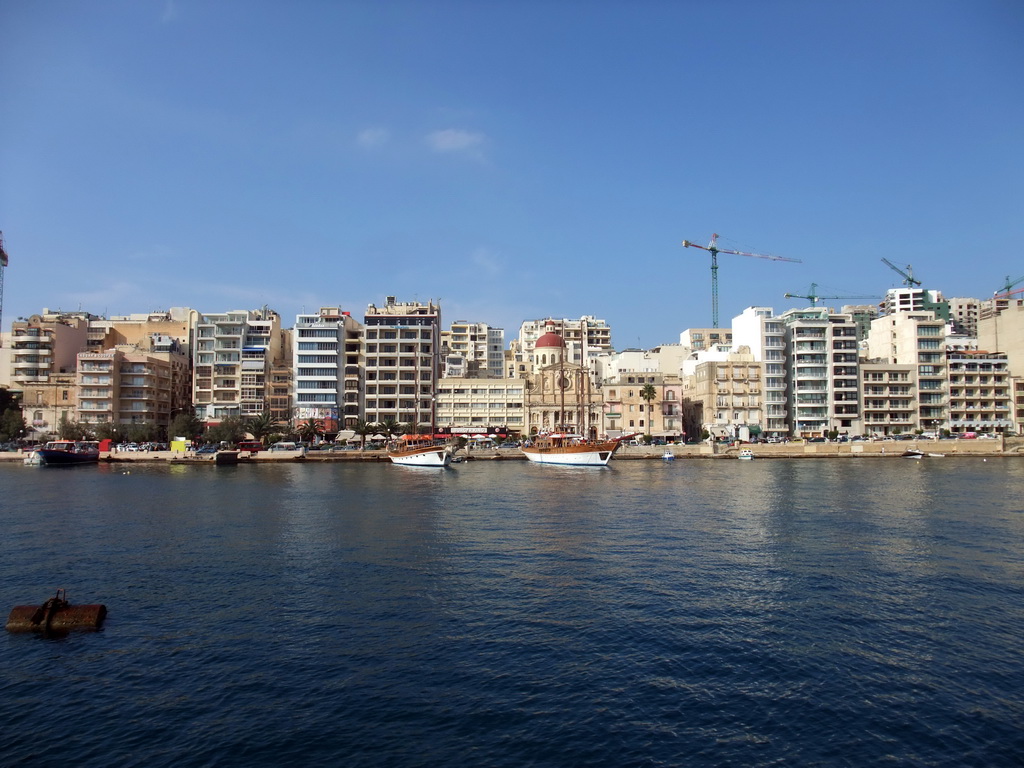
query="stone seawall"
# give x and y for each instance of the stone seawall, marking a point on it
(1004, 447)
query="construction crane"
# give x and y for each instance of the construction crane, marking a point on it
(3, 268)
(714, 250)
(908, 276)
(813, 296)
(1010, 284)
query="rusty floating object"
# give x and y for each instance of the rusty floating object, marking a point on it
(56, 615)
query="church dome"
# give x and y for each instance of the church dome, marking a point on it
(550, 339)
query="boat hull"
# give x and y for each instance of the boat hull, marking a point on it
(573, 455)
(422, 457)
(65, 458)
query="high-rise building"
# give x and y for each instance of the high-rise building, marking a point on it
(401, 352)
(822, 372)
(918, 339)
(473, 350)
(585, 338)
(232, 357)
(326, 369)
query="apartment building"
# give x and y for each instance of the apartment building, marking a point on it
(43, 357)
(136, 330)
(473, 350)
(980, 392)
(758, 330)
(585, 339)
(327, 375)
(128, 385)
(730, 396)
(705, 338)
(822, 372)
(964, 314)
(401, 348)
(232, 358)
(472, 405)
(889, 398)
(917, 339)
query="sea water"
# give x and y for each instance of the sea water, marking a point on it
(806, 612)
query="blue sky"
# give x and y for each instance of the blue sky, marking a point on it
(513, 160)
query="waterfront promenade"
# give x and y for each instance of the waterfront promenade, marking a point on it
(883, 449)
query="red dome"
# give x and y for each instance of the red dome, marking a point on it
(550, 339)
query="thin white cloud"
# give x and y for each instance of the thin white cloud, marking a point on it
(457, 141)
(170, 12)
(488, 262)
(373, 137)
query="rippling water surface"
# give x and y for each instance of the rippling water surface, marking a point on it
(770, 613)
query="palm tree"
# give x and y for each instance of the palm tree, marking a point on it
(649, 393)
(260, 426)
(389, 428)
(311, 430)
(362, 429)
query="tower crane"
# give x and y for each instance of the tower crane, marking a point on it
(908, 276)
(1010, 284)
(714, 250)
(3, 268)
(814, 297)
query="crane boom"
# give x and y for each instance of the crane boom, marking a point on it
(908, 276)
(1010, 284)
(714, 250)
(814, 297)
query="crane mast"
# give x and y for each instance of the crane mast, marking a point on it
(3, 268)
(714, 250)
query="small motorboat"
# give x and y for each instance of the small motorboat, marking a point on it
(668, 455)
(746, 455)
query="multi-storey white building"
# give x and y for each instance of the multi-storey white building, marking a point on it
(474, 350)
(757, 329)
(401, 348)
(326, 370)
(232, 357)
(822, 372)
(476, 406)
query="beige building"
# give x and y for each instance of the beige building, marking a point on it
(401, 349)
(917, 339)
(705, 338)
(980, 393)
(127, 385)
(585, 339)
(888, 394)
(560, 395)
(729, 394)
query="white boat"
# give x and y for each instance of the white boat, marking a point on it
(32, 459)
(668, 455)
(417, 451)
(746, 454)
(571, 450)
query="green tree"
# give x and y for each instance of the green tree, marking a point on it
(70, 429)
(311, 430)
(12, 424)
(389, 428)
(260, 427)
(648, 393)
(230, 430)
(185, 424)
(362, 430)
